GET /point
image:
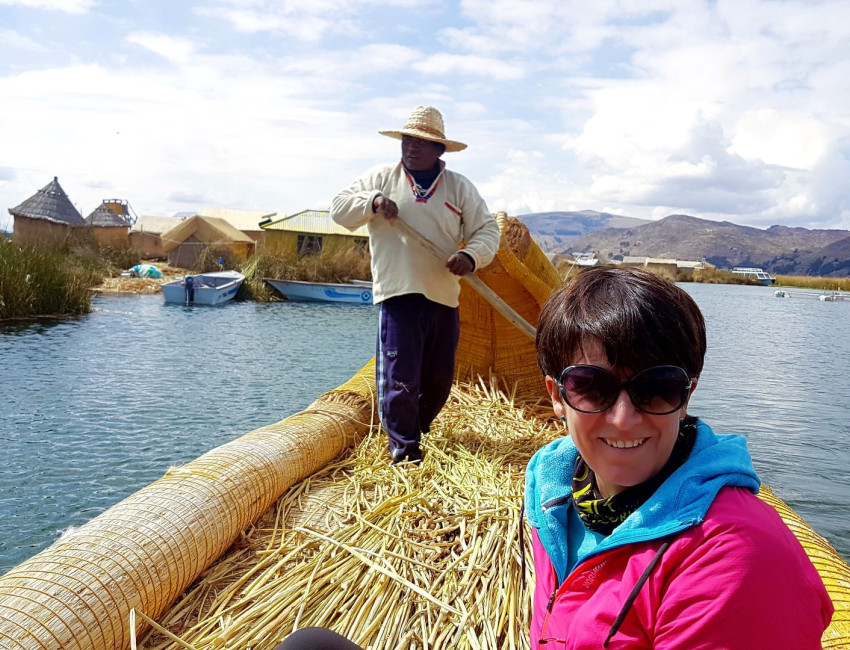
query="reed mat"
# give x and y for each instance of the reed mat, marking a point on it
(405, 556)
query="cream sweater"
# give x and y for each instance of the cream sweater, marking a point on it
(453, 214)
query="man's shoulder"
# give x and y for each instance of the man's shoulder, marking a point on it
(455, 175)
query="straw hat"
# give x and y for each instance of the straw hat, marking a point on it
(426, 122)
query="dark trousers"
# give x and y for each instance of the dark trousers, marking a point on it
(316, 638)
(415, 364)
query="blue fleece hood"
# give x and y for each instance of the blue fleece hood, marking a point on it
(716, 461)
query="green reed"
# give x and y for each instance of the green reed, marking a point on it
(41, 282)
(717, 276)
(813, 282)
(55, 281)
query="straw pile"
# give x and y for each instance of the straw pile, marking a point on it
(390, 556)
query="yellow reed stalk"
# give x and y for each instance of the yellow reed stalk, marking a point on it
(361, 555)
(376, 552)
(134, 613)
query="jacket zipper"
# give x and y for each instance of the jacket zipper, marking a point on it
(567, 582)
(548, 613)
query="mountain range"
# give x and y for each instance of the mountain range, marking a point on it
(778, 249)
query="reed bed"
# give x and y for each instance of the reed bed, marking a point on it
(35, 282)
(57, 281)
(810, 282)
(715, 276)
(410, 556)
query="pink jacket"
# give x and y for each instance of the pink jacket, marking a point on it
(739, 580)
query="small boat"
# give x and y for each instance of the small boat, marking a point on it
(356, 292)
(759, 275)
(780, 293)
(214, 288)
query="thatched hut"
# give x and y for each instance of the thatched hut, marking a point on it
(311, 232)
(146, 235)
(46, 218)
(185, 242)
(110, 223)
(248, 221)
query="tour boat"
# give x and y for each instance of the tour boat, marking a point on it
(759, 275)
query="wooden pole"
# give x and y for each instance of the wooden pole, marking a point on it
(486, 292)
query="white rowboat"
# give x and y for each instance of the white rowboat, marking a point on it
(213, 288)
(357, 292)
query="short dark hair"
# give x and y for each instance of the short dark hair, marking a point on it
(639, 319)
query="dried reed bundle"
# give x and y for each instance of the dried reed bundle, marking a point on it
(146, 550)
(390, 556)
(832, 568)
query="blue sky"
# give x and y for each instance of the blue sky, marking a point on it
(727, 110)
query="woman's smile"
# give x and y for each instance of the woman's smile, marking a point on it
(624, 444)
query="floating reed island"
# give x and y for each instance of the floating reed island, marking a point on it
(305, 522)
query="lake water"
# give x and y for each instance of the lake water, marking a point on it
(100, 406)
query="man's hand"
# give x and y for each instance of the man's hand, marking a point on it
(387, 207)
(460, 264)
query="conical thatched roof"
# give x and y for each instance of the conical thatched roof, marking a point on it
(50, 203)
(111, 214)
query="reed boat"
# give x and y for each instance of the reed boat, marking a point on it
(305, 522)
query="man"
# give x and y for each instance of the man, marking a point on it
(416, 291)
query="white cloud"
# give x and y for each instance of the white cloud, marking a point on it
(444, 64)
(781, 138)
(68, 6)
(15, 40)
(344, 67)
(176, 49)
(730, 109)
(305, 20)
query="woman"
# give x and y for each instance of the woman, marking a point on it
(646, 529)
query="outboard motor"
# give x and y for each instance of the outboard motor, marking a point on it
(190, 288)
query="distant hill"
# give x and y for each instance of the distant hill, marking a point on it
(557, 231)
(778, 249)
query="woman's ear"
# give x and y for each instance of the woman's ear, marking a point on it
(555, 396)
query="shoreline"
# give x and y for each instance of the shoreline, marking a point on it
(121, 285)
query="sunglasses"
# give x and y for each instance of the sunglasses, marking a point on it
(659, 390)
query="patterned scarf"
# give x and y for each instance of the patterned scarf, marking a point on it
(604, 515)
(422, 183)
